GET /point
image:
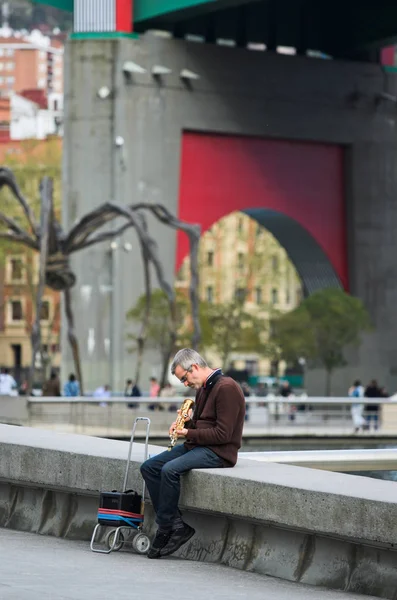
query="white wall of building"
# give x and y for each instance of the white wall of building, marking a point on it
(29, 121)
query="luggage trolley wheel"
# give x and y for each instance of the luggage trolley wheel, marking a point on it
(109, 540)
(141, 543)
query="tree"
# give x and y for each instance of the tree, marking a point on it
(158, 332)
(228, 328)
(321, 328)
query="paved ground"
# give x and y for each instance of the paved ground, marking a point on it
(34, 567)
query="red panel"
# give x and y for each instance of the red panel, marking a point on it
(124, 16)
(387, 56)
(221, 174)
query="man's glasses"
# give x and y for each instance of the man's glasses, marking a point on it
(184, 378)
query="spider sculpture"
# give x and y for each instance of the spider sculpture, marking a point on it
(55, 247)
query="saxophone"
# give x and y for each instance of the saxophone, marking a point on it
(180, 421)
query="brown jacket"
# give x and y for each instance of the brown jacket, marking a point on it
(52, 388)
(218, 420)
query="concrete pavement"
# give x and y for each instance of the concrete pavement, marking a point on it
(34, 567)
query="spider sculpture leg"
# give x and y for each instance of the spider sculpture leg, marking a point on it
(141, 338)
(46, 206)
(73, 338)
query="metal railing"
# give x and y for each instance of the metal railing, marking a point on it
(112, 417)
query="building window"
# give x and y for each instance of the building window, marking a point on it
(274, 263)
(274, 296)
(240, 294)
(1, 66)
(1, 52)
(288, 296)
(210, 259)
(45, 311)
(258, 295)
(16, 270)
(10, 52)
(16, 310)
(240, 225)
(210, 294)
(10, 66)
(1, 80)
(240, 260)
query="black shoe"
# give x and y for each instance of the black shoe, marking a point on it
(177, 539)
(160, 540)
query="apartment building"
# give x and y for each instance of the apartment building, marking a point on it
(19, 278)
(27, 65)
(240, 259)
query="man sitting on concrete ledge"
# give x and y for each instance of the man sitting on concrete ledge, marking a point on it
(213, 437)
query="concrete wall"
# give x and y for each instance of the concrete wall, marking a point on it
(299, 524)
(239, 92)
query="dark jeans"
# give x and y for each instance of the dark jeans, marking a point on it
(373, 417)
(162, 476)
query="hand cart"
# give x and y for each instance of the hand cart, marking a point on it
(124, 509)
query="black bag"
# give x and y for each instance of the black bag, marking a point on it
(115, 507)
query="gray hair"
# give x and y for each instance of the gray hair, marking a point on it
(187, 357)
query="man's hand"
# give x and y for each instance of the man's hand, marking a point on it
(190, 414)
(179, 432)
(171, 429)
(182, 432)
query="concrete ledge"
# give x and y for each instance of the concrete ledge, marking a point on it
(300, 524)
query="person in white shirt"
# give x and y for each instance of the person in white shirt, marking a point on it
(7, 383)
(103, 391)
(357, 409)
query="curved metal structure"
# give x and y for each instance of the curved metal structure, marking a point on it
(312, 264)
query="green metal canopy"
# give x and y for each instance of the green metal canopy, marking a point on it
(62, 4)
(146, 10)
(151, 9)
(341, 28)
